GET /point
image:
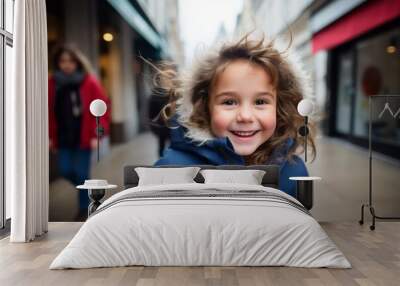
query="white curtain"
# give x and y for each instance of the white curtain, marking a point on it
(27, 123)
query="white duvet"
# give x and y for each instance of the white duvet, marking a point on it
(183, 231)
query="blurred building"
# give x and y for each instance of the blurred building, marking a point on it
(222, 35)
(357, 46)
(115, 35)
(165, 15)
(246, 21)
(352, 50)
(279, 21)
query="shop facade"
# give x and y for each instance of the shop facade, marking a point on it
(362, 42)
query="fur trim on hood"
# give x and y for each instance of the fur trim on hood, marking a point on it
(184, 103)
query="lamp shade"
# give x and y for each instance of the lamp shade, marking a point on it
(305, 107)
(98, 107)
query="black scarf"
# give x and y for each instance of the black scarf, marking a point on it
(68, 80)
(68, 108)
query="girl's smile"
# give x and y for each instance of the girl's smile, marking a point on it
(244, 133)
(244, 136)
(243, 106)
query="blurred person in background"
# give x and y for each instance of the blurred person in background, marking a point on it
(72, 128)
(158, 99)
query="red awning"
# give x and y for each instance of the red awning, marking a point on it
(368, 16)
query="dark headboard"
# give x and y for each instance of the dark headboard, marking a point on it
(270, 179)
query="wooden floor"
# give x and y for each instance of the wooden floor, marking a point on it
(374, 255)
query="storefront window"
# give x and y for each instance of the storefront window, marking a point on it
(378, 73)
(345, 93)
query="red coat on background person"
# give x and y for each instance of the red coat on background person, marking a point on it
(89, 90)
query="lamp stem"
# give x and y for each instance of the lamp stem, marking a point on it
(98, 138)
(305, 138)
(370, 148)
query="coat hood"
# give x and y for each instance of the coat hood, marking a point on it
(218, 151)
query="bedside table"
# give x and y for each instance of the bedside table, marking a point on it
(96, 191)
(304, 190)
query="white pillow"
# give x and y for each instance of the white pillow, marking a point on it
(249, 177)
(163, 176)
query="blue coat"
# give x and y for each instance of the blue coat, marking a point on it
(219, 151)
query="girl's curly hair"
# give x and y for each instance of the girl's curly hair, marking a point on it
(197, 87)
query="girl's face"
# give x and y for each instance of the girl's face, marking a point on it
(243, 106)
(67, 64)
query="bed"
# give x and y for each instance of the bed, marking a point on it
(201, 224)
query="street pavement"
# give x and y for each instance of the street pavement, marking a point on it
(342, 166)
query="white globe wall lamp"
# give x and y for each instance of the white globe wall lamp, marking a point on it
(98, 108)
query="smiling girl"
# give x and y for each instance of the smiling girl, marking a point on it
(239, 106)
